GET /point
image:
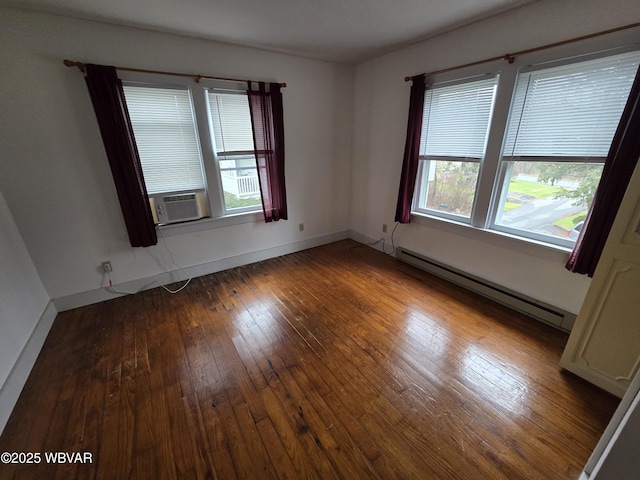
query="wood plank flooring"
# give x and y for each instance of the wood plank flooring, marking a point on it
(335, 362)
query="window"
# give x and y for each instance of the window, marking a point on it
(165, 131)
(196, 149)
(454, 134)
(233, 140)
(539, 181)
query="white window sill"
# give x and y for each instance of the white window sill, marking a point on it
(210, 223)
(528, 246)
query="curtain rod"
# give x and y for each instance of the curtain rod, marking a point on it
(80, 65)
(510, 57)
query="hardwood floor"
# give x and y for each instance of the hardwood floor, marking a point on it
(335, 362)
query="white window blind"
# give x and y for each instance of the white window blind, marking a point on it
(571, 110)
(456, 119)
(231, 122)
(165, 131)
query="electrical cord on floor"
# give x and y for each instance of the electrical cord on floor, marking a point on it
(115, 290)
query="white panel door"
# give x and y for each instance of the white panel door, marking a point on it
(604, 345)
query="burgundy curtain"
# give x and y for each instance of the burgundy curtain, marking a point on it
(109, 104)
(618, 168)
(268, 137)
(411, 151)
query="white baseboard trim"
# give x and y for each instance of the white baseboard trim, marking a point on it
(101, 294)
(382, 244)
(360, 237)
(13, 385)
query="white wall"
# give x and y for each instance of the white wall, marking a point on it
(23, 301)
(56, 180)
(55, 174)
(380, 117)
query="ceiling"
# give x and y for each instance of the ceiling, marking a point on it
(349, 31)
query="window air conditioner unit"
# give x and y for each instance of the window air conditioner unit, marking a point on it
(177, 208)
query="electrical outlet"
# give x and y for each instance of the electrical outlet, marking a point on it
(106, 267)
(301, 227)
(384, 228)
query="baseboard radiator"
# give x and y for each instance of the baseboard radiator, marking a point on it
(543, 312)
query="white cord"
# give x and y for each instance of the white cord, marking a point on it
(115, 290)
(174, 262)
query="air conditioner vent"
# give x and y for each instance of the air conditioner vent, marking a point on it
(177, 208)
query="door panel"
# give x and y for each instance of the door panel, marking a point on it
(604, 345)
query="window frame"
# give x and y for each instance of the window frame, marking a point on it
(493, 168)
(186, 90)
(502, 189)
(422, 191)
(424, 161)
(230, 155)
(218, 214)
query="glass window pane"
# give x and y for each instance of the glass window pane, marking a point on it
(449, 186)
(231, 121)
(455, 124)
(548, 199)
(225, 163)
(572, 110)
(240, 183)
(165, 131)
(456, 119)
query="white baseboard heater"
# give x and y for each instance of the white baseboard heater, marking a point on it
(549, 314)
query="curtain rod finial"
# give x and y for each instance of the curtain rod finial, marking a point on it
(407, 79)
(71, 63)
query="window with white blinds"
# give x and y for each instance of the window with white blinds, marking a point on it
(561, 125)
(531, 168)
(233, 143)
(456, 119)
(231, 122)
(165, 131)
(455, 124)
(571, 110)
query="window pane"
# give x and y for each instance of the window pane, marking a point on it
(231, 121)
(456, 119)
(240, 182)
(165, 131)
(232, 132)
(448, 186)
(572, 110)
(455, 124)
(549, 199)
